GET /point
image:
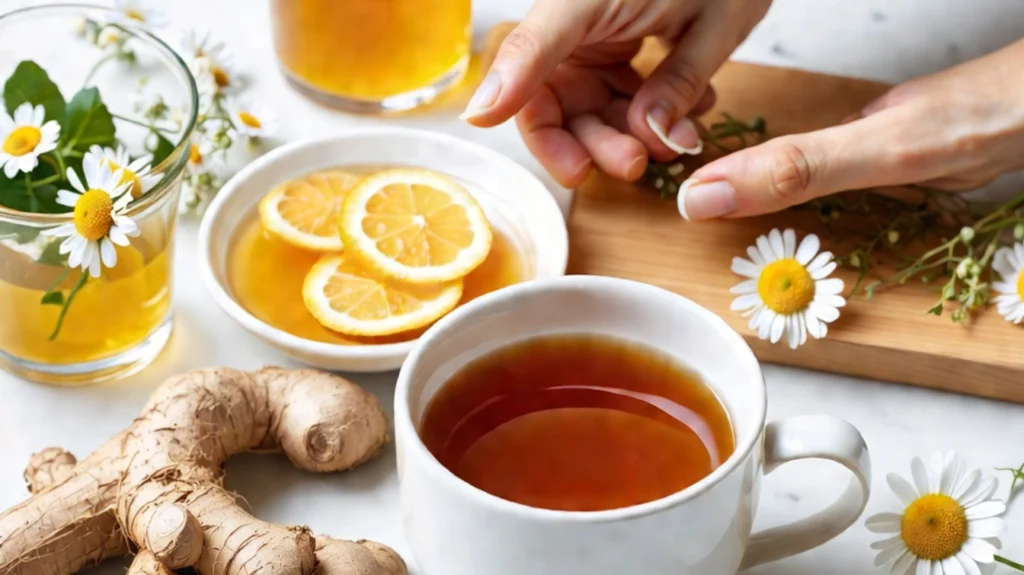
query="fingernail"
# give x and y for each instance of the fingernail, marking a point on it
(679, 136)
(485, 97)
(705, 201)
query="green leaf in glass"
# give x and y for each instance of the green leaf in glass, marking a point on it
(30, 83)
(89, 122)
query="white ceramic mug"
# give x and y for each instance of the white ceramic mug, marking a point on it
(454, 528)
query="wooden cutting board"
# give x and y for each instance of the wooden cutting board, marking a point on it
(617, 229)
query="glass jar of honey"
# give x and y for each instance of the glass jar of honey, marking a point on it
(372, 56)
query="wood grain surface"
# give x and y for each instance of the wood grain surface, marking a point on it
(617, 229)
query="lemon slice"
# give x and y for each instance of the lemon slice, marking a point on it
(304, 212)
(415, 225)
(346, 298)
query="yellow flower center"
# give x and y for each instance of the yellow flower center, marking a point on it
(135, 15)
(22, 140)
(1020, 284)
(220, 76)
(785, 286)
(94, 214)
(195, 157)
(934, 527)
(250, 120)
(127, 176)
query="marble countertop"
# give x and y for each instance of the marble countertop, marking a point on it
(875, 39)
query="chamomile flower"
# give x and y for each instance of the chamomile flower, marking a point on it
(98, 219)
(200, 154)
(136, 175)
(25, 137)
(210, 59)
(1008, 262)
(948, 523)
(251, 119)
(138, 13)
(788, 290)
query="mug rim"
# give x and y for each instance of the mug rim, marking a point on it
(414, 443)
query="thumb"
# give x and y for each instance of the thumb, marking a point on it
(545, 38)
(791, 170)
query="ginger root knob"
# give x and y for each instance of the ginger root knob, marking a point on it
(175, 537)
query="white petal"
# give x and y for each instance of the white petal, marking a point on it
(904, 565)
(745, 286)
(745, 268)
(982, 491)
(936, 568)
(38, 115)
(118, 237)
(23, 114)
(830, 286)
(890, 554)
(66, 198)
(755, 255)
(43, 147)
(766, 249)
(902, 488)
(789, 243)
(894, 541)
(66, 245)
(775, 240)
(746, 301)
(982, 528)
(90, 167)
(802, 327)
(108, 253)
(75, 182)
(60, 231)
(819, 261)
(950, 566)
(1018, 250)
(924, 567)
(985, 510)
(793, 331)
(28, 162)
(835, 301)
(953, 471)
(823, 312)
(126, 225)
(140, 163)
(808, 249)
(884, 523)
(824, 271)
(920, 474)
(814, 325)
(980, 550)
(1002, 264)
(936, 467)
(968, 564)
(11, 168)
(966, 484)
(95, 266)
(778, 326)
(50, 130)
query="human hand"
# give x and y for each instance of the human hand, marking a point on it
(565, 74)
(955, 130)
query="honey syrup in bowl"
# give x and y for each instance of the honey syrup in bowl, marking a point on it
(577, 423)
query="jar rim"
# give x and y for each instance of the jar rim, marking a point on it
(172, 165)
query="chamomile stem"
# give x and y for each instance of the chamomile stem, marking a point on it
(141, 123)
(1009, 563)
(95, 67)
(67, 303)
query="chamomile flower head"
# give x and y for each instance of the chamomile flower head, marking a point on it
(24, 138)
(201, 154)
(210, 60)
(98, 219)
(947, 524)
(787, 290)
(139, 13)
(1008, 262)
(136, 175)
(251, 119)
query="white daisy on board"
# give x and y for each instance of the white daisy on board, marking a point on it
(98, 221)
(788, 290)
(251, 119)
(210, 59)
(25, 137)
(137, 175)
(948, 524)
(139, 13)
(1008, 262)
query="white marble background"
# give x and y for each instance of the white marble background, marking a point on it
(884, 40)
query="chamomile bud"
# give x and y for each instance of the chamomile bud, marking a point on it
(1018, 232)
(967, 234)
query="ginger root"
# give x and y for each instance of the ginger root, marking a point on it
(157, 486)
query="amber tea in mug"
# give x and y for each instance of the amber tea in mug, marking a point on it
(577, 423)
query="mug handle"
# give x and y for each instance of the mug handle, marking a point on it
(813, 437)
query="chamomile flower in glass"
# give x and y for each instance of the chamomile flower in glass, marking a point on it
(787, 290)
(251, 119)
(139, 13)
(211, 59)
(947, 524)
(136, 175)
(25, 137)
(1008, 262)
(98, 220)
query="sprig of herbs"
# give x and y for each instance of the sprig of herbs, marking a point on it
(1018, 478)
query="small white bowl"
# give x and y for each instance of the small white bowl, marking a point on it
(515, 201)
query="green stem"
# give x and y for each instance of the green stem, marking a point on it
(141, 123)
(48, 180)
(67, 303)
(1009, 563)
(95, 68)
(59, 281)
(60, 160)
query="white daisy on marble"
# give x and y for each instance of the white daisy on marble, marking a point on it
(788, 291)
(1008, 262)
(25, 137)
(98, 218)
(210, 60)
(139, 13)
(251, 119)
(948, 523)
